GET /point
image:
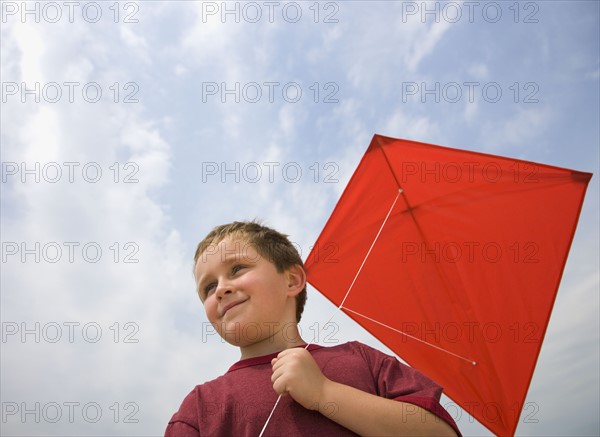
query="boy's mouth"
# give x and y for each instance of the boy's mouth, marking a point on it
(231, 305)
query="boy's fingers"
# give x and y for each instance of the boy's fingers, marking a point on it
(293, 350)
(297, 358)
(276, 364)
(278, 384)
(283, 353)
(276, 374)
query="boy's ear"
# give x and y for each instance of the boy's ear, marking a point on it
(296, 280)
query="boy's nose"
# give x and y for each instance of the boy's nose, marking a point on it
(223, 289)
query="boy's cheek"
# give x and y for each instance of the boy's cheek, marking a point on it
(210, 309)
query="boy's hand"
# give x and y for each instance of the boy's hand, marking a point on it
(296, 373)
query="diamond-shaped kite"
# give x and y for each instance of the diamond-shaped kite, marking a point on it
(453, 259)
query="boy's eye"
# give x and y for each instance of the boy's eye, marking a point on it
(236, 268)
(209, 288)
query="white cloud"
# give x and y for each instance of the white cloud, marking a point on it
(479, 71)
(471, 111)
(425, 43)
(136, 43)
(49, 294)
(417, 128)
(30, 41)
(180, 70)
(520, 128)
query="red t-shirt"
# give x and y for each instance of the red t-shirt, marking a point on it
(239, 402)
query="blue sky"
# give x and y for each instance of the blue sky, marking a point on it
(133, 336)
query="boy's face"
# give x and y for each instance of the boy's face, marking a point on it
(245, 298)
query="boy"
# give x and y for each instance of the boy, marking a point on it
(252, 283)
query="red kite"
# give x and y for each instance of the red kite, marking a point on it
(453, 260)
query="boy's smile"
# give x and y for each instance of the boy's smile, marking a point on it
(246, 299)
(233, 304)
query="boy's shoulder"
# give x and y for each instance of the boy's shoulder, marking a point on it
(371, 356)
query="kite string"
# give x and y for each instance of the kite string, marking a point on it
(411, 336)
(371, 248)
(339, 308)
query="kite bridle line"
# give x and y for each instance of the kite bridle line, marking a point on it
(410, 210)
(411, 336)
(341, 306)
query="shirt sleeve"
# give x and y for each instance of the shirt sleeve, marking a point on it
(183, 424)
(403, 383)
(180, 427)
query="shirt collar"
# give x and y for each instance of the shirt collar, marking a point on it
(265, 359)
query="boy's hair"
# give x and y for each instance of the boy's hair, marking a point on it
(270, 244)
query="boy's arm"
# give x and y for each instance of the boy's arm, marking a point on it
(297, 374)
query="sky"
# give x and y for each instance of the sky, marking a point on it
(130, 129)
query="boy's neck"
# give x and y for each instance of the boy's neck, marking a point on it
(281, 340)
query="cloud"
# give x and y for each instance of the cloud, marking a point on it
(124, 286)
(136, 43)
(403, 125)
(518, 129)
(425, 43)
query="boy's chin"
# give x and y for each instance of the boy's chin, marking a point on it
(242, 334)
(248, 334)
